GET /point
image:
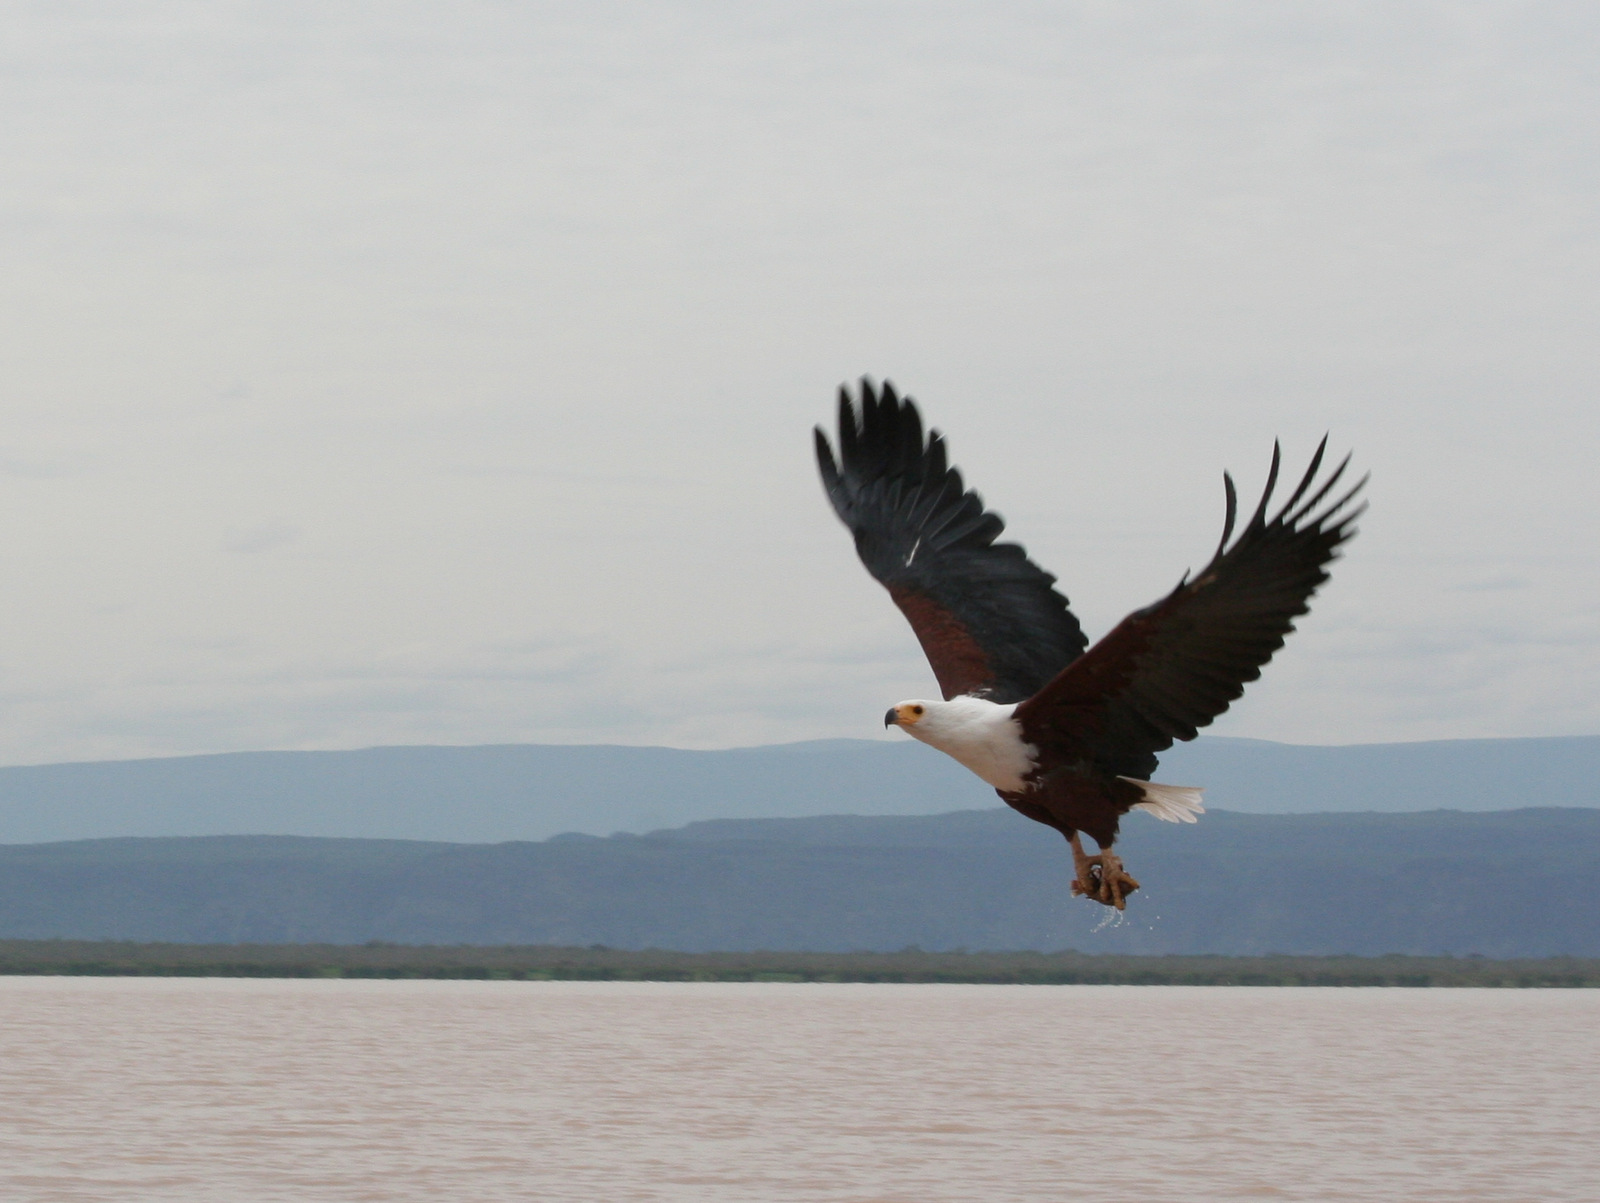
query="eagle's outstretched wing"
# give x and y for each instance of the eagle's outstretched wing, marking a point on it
(1168, 670)
(986, 616)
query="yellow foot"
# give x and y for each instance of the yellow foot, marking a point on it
(1087, 883)
(1086, 866)
(1101, 877)
(1115, 884)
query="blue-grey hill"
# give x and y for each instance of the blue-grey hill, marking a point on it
(1504, 884)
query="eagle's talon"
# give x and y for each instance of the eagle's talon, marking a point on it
(1087, 882)
(1100, 877)
(1107, 883)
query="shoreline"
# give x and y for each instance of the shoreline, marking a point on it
(89, 958)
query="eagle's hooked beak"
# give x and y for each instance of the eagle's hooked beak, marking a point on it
(892, 719)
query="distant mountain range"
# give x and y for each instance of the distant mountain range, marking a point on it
(534, 791)
(1509, 884)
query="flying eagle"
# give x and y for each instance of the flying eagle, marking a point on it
(1067, 736)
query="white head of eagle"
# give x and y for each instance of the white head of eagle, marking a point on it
(979, 733)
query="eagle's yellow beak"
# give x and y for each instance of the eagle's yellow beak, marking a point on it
(892, 719)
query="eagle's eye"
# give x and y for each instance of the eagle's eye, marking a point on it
(917, 710)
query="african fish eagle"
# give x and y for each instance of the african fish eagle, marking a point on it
(1067, 736)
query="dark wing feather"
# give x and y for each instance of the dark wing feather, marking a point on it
(986, 616)
(1168, 670)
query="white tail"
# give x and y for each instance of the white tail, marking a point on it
(1173, 803)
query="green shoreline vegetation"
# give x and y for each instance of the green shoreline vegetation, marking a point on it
(86, 958)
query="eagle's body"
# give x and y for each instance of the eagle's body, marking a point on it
(988, 739)
(1067, 734)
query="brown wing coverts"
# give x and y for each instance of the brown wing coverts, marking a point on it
(1168, 670)
(986, 616)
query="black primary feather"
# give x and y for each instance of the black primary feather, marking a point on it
(987, 617)
(1168, 670)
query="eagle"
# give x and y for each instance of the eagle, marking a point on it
(1068, 734)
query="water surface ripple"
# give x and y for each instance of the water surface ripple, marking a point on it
(181, 1089)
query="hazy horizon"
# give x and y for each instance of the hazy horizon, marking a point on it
(798, 743)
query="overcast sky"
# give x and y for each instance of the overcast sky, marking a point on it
(421, 372)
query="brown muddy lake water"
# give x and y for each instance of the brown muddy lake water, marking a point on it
(214, 1089)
